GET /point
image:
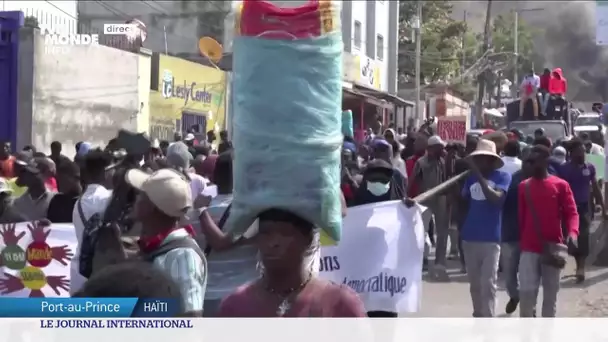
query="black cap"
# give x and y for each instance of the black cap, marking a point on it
(380, 165)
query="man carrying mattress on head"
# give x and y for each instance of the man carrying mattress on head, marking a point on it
(286, 159)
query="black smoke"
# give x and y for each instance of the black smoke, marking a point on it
(569, 32)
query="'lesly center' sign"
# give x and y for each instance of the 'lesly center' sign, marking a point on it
(185, 91)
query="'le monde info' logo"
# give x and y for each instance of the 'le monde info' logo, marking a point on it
(59, 43)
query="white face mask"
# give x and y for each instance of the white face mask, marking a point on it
(377, 188)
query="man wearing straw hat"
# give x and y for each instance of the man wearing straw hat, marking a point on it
(485, 189)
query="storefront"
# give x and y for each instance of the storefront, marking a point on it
(363, 95)
(186, 97)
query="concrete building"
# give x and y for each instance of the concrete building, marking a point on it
(173, 27)
(370, 31)
(85, 93)
(57, 16)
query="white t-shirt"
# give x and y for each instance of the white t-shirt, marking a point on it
(533, 80)
(597, 149)
(198, 184)
(512, 164)
(94, 200)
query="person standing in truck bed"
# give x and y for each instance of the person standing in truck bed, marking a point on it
(528, 91)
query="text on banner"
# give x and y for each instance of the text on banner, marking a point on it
(452, 128)
(387, 275)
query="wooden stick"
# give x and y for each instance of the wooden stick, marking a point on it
(441, 188)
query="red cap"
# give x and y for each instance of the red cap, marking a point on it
(488, 131)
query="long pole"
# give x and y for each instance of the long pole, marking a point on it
(166, 46)
(418, 53)
(481, 80)
(516, 54)
(464, 48)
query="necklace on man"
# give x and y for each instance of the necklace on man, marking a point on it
(286, 296)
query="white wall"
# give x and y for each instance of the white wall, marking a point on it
(359, 13)
(60, 16)
(71, 101)
(359, 9)
(382, 29)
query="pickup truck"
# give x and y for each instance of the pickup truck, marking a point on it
(590, 123)
(556, 123)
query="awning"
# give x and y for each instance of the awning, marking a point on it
(383, 96)
(367, 98)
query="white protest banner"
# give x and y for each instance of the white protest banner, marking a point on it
(379, 256)
(35, 259)
(452, 128)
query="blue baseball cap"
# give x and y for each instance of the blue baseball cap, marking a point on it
(347, 145)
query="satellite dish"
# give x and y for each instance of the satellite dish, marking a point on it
(210, 48)
(140, 30)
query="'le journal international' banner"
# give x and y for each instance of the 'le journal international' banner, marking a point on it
(380, 257)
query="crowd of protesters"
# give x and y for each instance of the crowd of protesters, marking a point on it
(521, 205)
(525, 204)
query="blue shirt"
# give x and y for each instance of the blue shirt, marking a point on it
(483, 222)
(554, 166)
(579, 177)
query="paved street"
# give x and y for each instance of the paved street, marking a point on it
(452, 299)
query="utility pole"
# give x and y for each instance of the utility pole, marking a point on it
(464, 48)
(498, 88)
(516, 54)
(418, 28)
(481, 78)
(516, 14)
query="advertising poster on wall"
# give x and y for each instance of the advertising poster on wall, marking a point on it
(601, 22)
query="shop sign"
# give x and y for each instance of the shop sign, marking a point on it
(368, 72)
(185, 87)
(186, 91)
(361, 70)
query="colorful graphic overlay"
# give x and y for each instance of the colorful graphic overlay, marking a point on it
(30, 263)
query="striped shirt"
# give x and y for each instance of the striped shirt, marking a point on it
(187, 269)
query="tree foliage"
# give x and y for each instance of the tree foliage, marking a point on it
(441, 40)
(446, 41)
(503, 40)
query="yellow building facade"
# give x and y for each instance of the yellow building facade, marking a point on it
(189, 97)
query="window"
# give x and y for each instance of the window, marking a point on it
(357, 35)
(379, 47)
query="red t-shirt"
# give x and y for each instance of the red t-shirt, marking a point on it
(6, 168)
(553, 202)
(413, 190)
(318, 299)
(347, 191)
(544, 82)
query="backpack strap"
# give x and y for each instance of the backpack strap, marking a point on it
(174, 244)
(81, 212)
